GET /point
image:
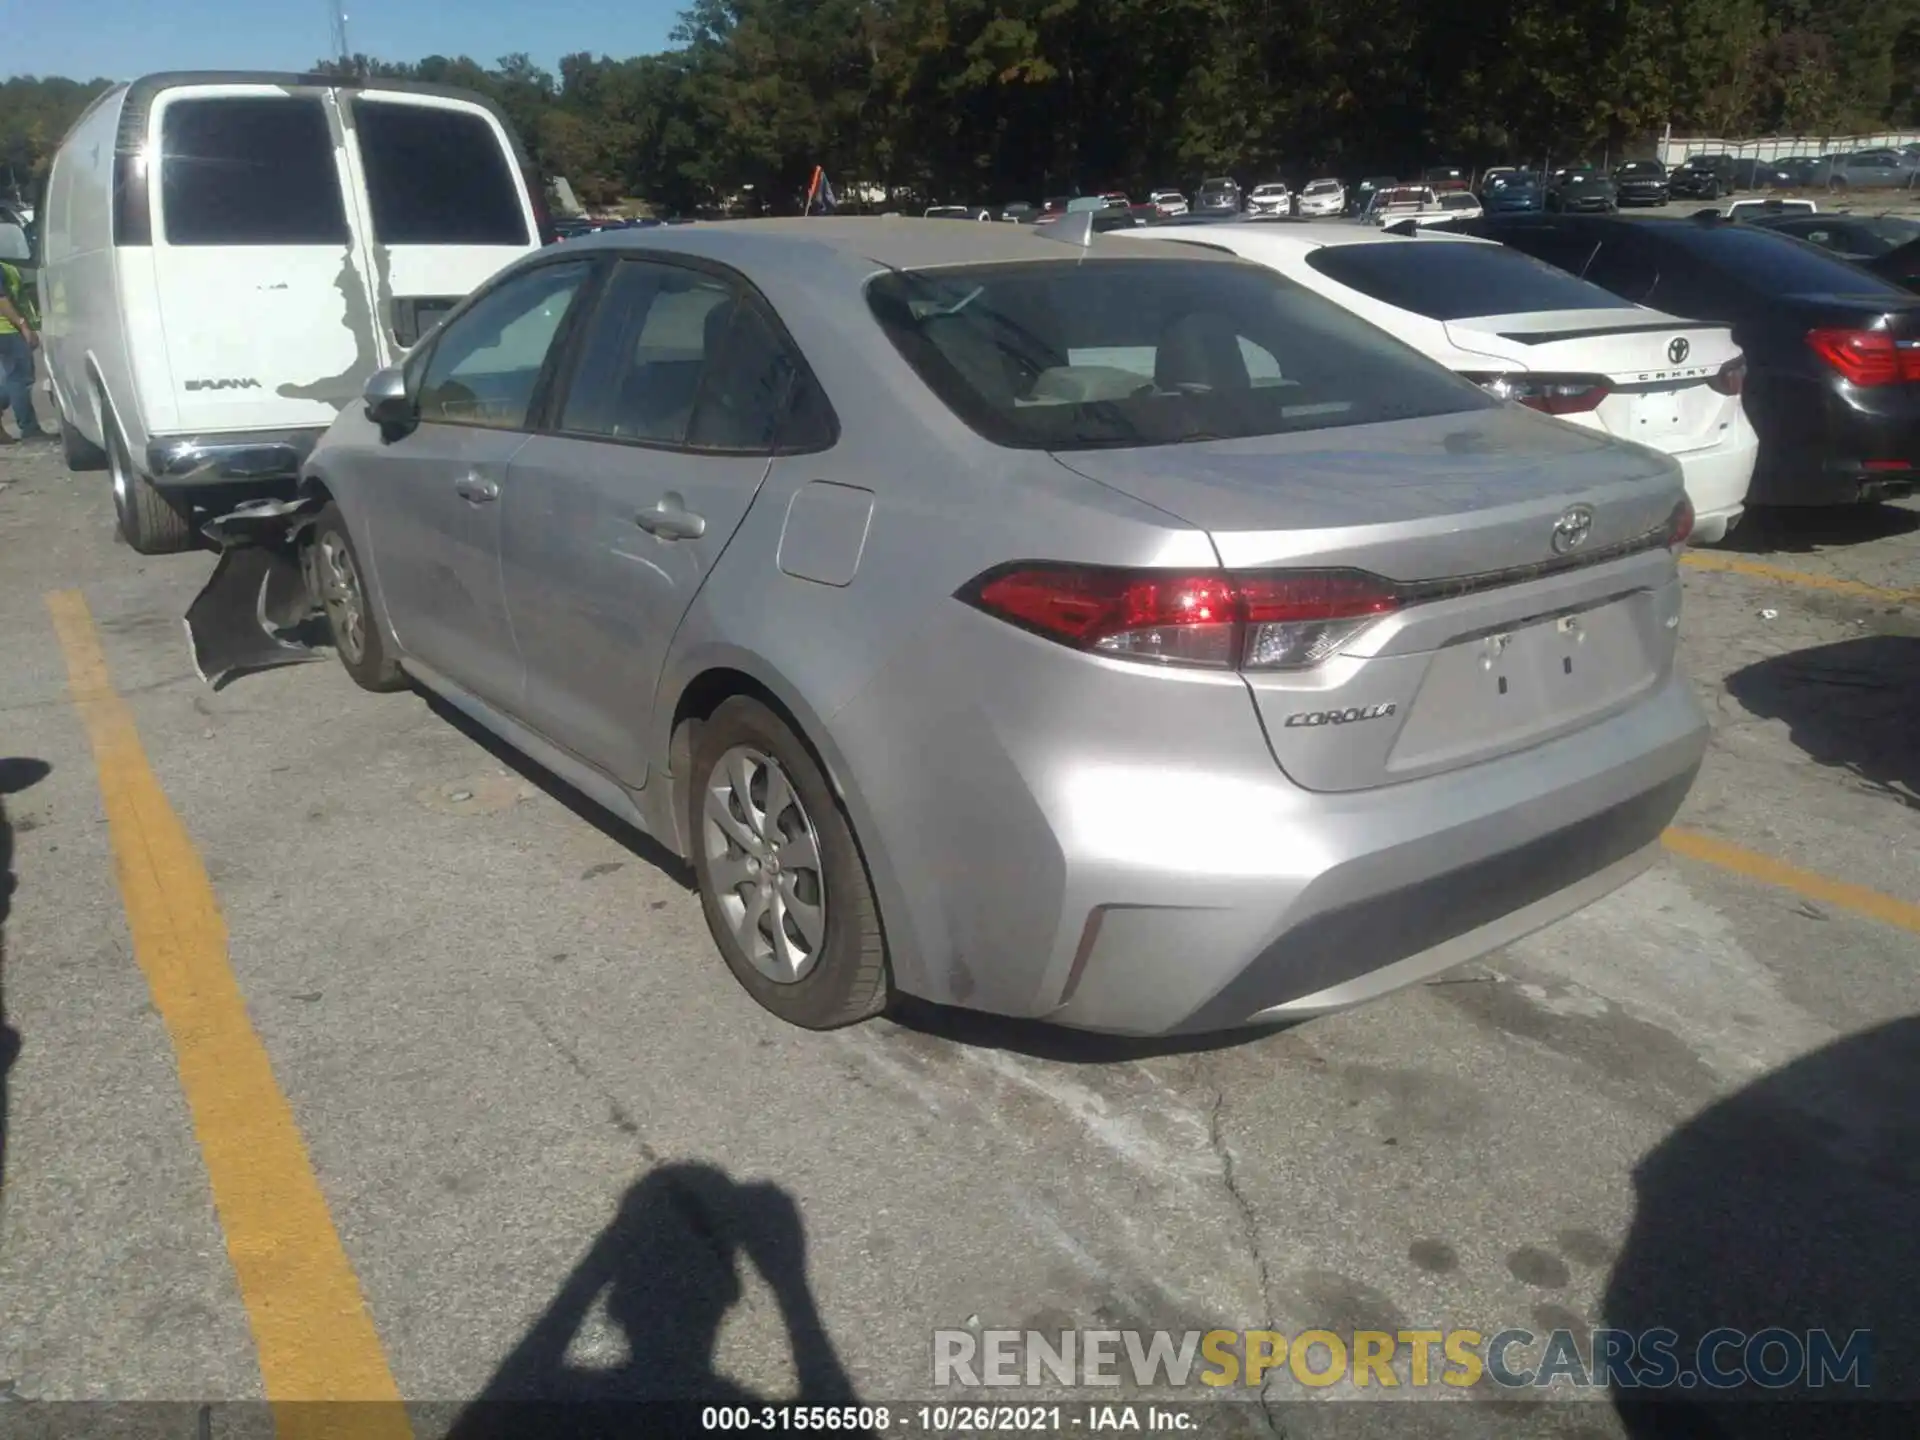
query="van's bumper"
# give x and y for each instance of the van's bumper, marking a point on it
(236, 457)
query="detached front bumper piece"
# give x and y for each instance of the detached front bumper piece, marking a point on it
(257, 610)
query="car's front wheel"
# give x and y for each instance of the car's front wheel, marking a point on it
(782, 880)
(335, 579)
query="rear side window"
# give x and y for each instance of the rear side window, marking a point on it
(1116, 353)
(249, 170)
(1456, 280)
(436, 176)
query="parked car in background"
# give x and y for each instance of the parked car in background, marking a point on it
(1773, 205)
(1188, 587)
(1401, 203)
(1701, 177)
(1641, 182)
(227, 256)
(958, 212)
(1797, 171)
(1271, 198)
(1321, 198)
(1441, 178)
(1834, 384)
(1055, 204)
(1220, 195)
(1019, 212)
(1505, 190)
(1169, 202)
(1531, 333)
(1868, 170)
(1117, 200)
(1573, 191)
(1752, 174)
(1360, 194)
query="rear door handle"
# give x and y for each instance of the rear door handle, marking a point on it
(671, 521)
(476, 489)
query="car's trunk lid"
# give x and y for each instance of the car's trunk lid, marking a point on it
(1658, 369)
(1505, 636)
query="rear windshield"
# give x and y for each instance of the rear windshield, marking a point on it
(437, 176)
(249, 170)
(1458, 280)
(1777, 264)
(1110, 353)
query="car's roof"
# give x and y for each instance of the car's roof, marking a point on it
(884, 241)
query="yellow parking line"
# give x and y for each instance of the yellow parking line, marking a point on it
(1707, 560)
(1837, 893)
(315, 1339)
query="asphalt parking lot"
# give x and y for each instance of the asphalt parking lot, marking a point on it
(505, 1045)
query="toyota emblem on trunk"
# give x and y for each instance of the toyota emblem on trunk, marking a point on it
(1570, 531)
(1679, 350)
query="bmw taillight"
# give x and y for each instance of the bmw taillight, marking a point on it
(1249, 620)
(1731, 378)
(1867, 357)
(1549, 394)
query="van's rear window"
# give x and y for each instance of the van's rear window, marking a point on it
(249, 170)
(1109, 353)
(437, 175)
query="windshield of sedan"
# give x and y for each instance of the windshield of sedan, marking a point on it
(1642, 170)
(1321, 187)
(1112, 353)
(1458, 280)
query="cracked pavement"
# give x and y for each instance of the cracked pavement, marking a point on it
(494, 1017)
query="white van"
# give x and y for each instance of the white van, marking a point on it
(226, 256)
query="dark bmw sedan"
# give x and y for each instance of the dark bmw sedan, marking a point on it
(1583, 192)
(1833, 350)
(1641, 182)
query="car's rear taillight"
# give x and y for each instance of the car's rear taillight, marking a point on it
(1549, 394)
(1680, 525)
(1731, 378)
(1255, 620)
(1867, 357)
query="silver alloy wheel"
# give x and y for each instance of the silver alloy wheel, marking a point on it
(763, 856)
(117, 472)
(342, 596)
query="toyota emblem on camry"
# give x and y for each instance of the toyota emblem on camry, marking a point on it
(1679, 350)
(1570, 531)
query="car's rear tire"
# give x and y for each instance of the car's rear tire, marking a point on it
(335, 578)
(80, 453)
(152, 523)
(782, 880)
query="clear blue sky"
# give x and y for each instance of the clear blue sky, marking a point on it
(124, 38)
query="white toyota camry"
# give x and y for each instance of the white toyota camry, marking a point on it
(1536, 335)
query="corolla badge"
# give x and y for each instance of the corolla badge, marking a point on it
(1570, 531)
(1679, 349)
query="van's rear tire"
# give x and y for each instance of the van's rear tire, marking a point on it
(150, 522)
(79, 452)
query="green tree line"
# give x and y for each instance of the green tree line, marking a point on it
(993, 100)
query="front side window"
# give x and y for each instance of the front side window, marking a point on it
(1457, 280)
(436, 175)
(249, 170)
(485, 366)
(1112, 353)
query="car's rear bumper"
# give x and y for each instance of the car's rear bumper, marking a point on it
(233, 458)
(1825, 443)
(1118, 851)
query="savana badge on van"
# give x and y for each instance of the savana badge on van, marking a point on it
(227, 256)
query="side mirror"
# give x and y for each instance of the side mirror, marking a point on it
(388, 403)
(13, 243)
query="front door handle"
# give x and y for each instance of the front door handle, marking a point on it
(476, 489)
(670, 520)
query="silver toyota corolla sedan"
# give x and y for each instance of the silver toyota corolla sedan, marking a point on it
(1111, 633)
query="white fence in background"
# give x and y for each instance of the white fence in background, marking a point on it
(1676, 148)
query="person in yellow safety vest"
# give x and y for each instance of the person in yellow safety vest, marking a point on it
(18, 340)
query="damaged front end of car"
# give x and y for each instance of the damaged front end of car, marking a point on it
(262, 607)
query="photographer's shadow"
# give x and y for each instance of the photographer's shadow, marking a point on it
(669, 1267)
